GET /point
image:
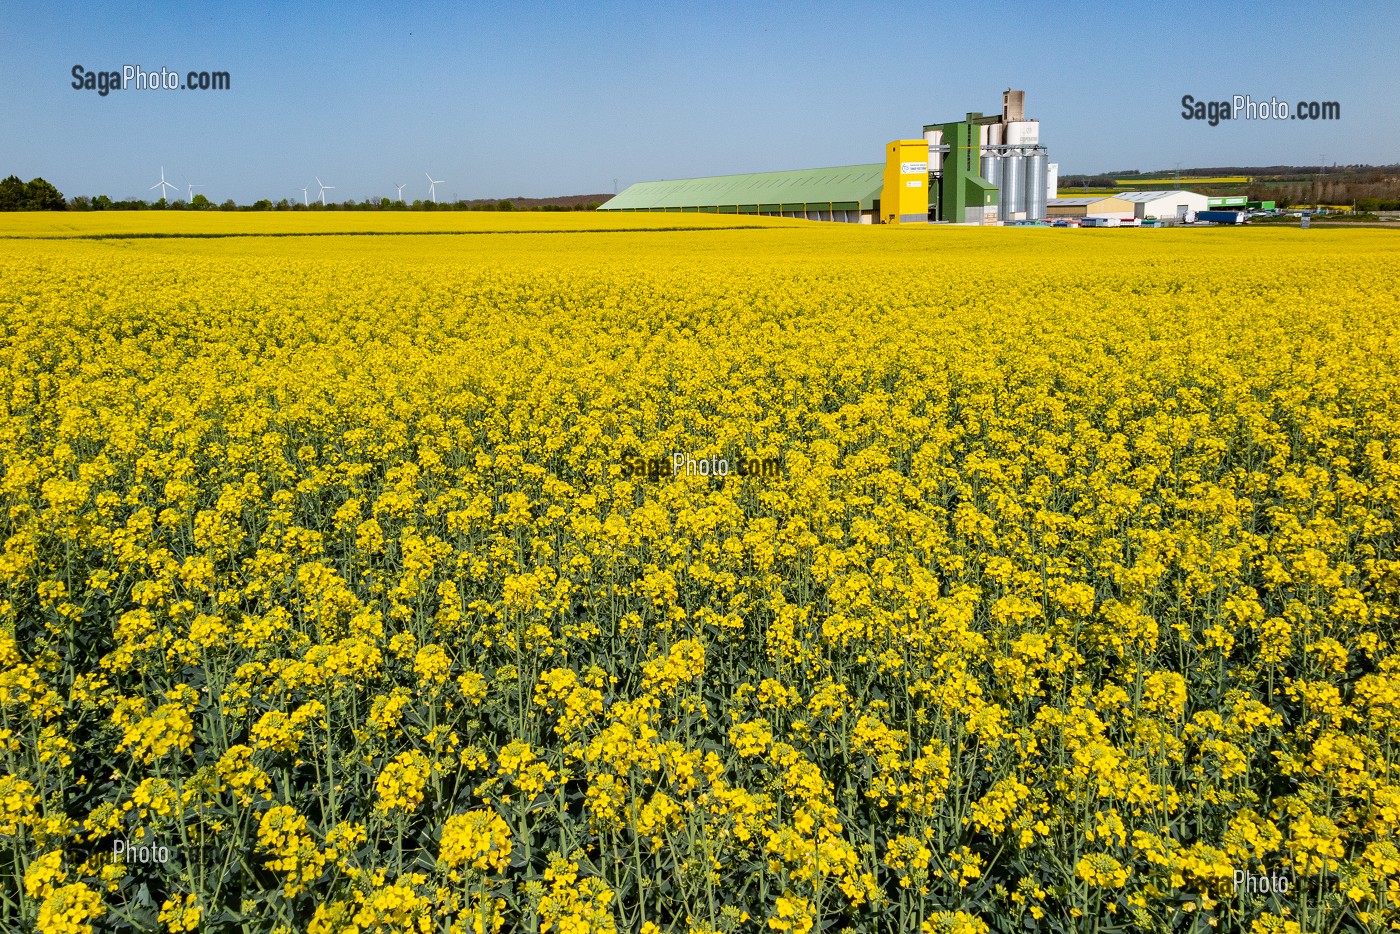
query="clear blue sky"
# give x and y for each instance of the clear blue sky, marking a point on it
(556, 98)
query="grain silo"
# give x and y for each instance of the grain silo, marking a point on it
(1037, 171)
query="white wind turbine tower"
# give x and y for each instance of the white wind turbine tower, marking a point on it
(324, 188)
(304, 199)
(432, 187)
(400, 188)
(190, 191)
(163, 184)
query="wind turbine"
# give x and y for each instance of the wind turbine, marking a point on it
(304, 199)
(324, 188)
(163, 184)
(400, 188)
(190, 191)
(432, 187)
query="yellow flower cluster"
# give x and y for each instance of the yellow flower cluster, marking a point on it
(400, 787)
(480, 839)
(791, 915)
(69, 909)
(574, 906)
(169, 728)
(1102, 871)
(179, 915)
(282, 832)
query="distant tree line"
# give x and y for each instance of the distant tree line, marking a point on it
(1272, 172)
(1378, 204)
(39, 195)
(200, 203)
(33, 195)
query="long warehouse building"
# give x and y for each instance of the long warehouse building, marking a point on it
(848, 193)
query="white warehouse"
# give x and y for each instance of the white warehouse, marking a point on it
(1166, 205)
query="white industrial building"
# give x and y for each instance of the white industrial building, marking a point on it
(1180, 206)
(1090, 206)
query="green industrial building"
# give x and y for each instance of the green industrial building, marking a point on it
(961, 195)
(1233, 202)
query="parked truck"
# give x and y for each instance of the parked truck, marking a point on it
(1221, 217)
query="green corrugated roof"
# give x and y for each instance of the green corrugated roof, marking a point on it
(843, 183)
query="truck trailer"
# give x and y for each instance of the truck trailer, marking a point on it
(1221, 217)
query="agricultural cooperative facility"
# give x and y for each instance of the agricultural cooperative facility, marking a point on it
(982, 170)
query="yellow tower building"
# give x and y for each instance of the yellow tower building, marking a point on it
(904, 197)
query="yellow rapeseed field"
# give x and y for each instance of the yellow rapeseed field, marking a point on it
(347, 583)
(215, 224)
